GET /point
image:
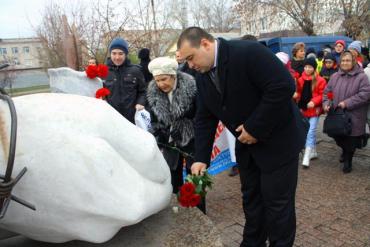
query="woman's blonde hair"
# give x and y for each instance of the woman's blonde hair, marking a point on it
(297, 47)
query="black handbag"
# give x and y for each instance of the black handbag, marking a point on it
(337, 123)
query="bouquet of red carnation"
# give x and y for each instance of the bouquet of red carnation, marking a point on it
(101, 93)
(100, 70)
(330, 96)
(194, 189)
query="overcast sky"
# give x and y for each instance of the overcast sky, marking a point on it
(16, 15)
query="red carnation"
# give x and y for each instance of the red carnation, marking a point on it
(330, 95)
(185, 200)
(92, 71)
(102, 70)
(187, 189)
(194, 200)
(101, 93)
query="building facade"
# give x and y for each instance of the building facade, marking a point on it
(23, 53)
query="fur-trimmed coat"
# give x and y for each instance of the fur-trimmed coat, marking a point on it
(176, 119)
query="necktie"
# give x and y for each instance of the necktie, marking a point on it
(214, 78)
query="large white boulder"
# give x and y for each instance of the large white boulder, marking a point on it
(90, 171)
(67, 80)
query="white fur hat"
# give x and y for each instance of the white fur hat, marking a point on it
(284, 58)
(163, 66)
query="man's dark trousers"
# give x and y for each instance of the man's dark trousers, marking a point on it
(268, 201)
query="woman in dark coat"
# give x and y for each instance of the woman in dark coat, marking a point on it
(171, 103)
(351, 91)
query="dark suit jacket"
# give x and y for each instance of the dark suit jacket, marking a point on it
(256, 91)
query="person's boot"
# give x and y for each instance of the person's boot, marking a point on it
(306, 157)
(341, 159)
(313, 153)
(347, 164)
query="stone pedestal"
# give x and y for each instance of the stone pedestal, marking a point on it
(187, 227)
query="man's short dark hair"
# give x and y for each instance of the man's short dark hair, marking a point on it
(249, 37)
(194, 35)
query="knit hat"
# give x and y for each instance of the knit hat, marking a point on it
(356, 45)
(320, 54)
(327, 50)
(340, 41)
(310, 50)
(284, 58)
(329, 56)
(119, 43)
(163, 66)
(144, 54)
(310, 61)
(311, 55)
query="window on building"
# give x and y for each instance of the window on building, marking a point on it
(3, 51)
(14, 50)
(26, 49)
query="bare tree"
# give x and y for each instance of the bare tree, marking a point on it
(356, 16)
(214, 16)
(301, 11)
(50, 31)
(85, 30)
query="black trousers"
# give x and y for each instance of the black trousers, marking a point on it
(268, 202)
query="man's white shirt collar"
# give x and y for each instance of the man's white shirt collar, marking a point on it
(216, 51)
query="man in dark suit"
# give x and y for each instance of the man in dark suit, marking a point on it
(243, 84)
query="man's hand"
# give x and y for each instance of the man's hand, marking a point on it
(139, 107)
(310, 104)
(342, 105)
(198, 168)
(245, 137)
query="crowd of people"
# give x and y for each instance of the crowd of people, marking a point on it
(215, 80)
(342, 73)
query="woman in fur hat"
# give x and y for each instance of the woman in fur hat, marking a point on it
(171, 103)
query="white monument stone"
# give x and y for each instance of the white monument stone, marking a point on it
(67, 80)
(90, 171)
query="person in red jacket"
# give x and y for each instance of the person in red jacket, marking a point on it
(310, 88)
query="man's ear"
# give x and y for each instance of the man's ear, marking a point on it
(206, 43)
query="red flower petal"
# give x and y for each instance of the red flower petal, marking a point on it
(185, 201)
(102, 70)
(92, 71)
(102, 92)
(330, 95)
(187, 189)
(194, 200)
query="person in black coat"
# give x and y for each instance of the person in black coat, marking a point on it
(144, 56)
(125, 81)
(243, 84)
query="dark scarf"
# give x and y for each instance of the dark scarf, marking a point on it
(306, 95)
(297, 65)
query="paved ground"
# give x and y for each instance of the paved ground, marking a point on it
(333, 209)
